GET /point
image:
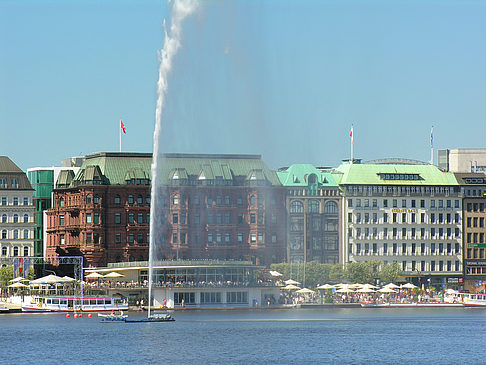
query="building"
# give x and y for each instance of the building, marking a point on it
(403, 211)
(212, 207)
(16, 211)
(462, 159)
(313, 214)
(473, 186)
(43, 181)
(220, 207)
(196, 283)
(103, 212)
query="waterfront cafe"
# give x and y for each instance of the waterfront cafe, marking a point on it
(198, 283)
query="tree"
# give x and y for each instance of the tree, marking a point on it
(6, 274)
(362, 272)
(336, 274)
(390, 272)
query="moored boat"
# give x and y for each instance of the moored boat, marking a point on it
(411, 305)
(73, 304)
(112, 317)
(472, 299)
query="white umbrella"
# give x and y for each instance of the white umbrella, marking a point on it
(387, 290)
(305, 291)
(325, 286)
(17, 285)
(408, 286)
(391, 285)
(113, 275)
(291, 282)
(49, 279)
(94, 275)
(291, 287)
(18, 278)
(368, 286)
(345, 290)
(365, 290)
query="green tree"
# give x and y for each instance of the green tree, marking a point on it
(362, 272)
(336, 273)
(6, 274)
(390, 272)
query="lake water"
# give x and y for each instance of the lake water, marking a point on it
(296, 336)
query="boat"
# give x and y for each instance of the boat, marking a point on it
(412, 305)
(472, 300)
(73, 304)
(161, 317)
(112, 317)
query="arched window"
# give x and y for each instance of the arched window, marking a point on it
(16, 251)
(139, 200)
(16, 234)
(4, 234)
(4, 218)
(26, 233)
(26, 218)
(252, 200)
(88, 199)
(4, 251)
(16, 218)
(96, 199)
(296, 207)
(26, 251)
(312, 179)
(147, 199)
(314, 206)
(130, 199)
(175, 199)
(331, 207)
(117, 199)
(61, 202)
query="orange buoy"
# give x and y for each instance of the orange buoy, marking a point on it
(89, 315)
(68, 315)
(75, 316)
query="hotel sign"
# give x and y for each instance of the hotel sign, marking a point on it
(404, 210)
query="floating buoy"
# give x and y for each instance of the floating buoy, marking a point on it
(89, 315)
(68, 315)
(80, 315)
(75, 316)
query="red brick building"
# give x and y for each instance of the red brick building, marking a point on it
(212, 206)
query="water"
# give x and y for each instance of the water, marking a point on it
(332, 336)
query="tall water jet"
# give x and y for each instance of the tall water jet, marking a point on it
(180, 9)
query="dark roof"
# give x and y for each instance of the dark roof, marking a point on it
(10, 171)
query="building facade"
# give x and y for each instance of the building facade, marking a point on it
(473, 186)
(220, 207)
(405, 212)
(103, 212)
(313, 214)
(16, 211)
(462, 160)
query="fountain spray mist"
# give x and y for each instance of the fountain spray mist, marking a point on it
(180, 10)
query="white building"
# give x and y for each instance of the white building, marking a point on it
(403, 212)
(16, 211)
(462, 159)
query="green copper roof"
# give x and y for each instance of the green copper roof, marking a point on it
(227, 169)
(394, 174)
(298, 175)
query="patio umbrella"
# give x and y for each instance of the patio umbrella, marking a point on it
(391, 285)
(113, 275)
(18, 278)
(94, 275)
(291, 287)
(387, 290)
(408, 286)
(275, 273)
(291, 282)
(345, 290)
(49, 279)
(325, 286)
(365, 290)
(17, 285)
(305, 291)
(368, 286)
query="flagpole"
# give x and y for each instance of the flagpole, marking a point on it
(432, 145)
(352, 142)
(119, 127)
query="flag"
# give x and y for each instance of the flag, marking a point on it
(122, 126)
(351, 135)
(432, 137)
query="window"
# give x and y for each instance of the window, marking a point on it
(226, 218)
(61, 220)
(88, 218)
(16, 251)
(96, 218)
(16, 234)
(4, 218)
(15, 201)
(385, 203)
(26, 234)
(210, 238)
(314, 206)
(331, 208)
(4, 200)
(117, 199)
(253, 201)
(4, 251)
(296, 207)
(15, 183)
(118, 238)
(175, 200)
(131, 238)
(219, 200)
(404, 203)
(96, 199)
(395, 203)
(130, 199)
(253, 237)
(240, 238)
(147, 199)
(117, 218)
(26, 201)
(227, 238)
(4, 234)
(88, 199)
(16, 218)
(252, 218)
(89, 238)
(227, 200)
(140, 218)
(26, 218)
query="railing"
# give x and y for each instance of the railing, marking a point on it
(181, 263)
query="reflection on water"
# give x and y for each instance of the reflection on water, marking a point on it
(253, 336)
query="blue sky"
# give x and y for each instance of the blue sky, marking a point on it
(285, 79)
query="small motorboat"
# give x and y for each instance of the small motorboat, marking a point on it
(113, 317)
(158, 317)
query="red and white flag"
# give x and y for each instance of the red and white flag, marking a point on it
(122, 126)
(432, 137)
(351, 135)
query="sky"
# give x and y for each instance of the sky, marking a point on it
(284, 79)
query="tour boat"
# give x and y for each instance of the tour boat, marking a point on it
(412, 305)
(74, 304)
(472, 299)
